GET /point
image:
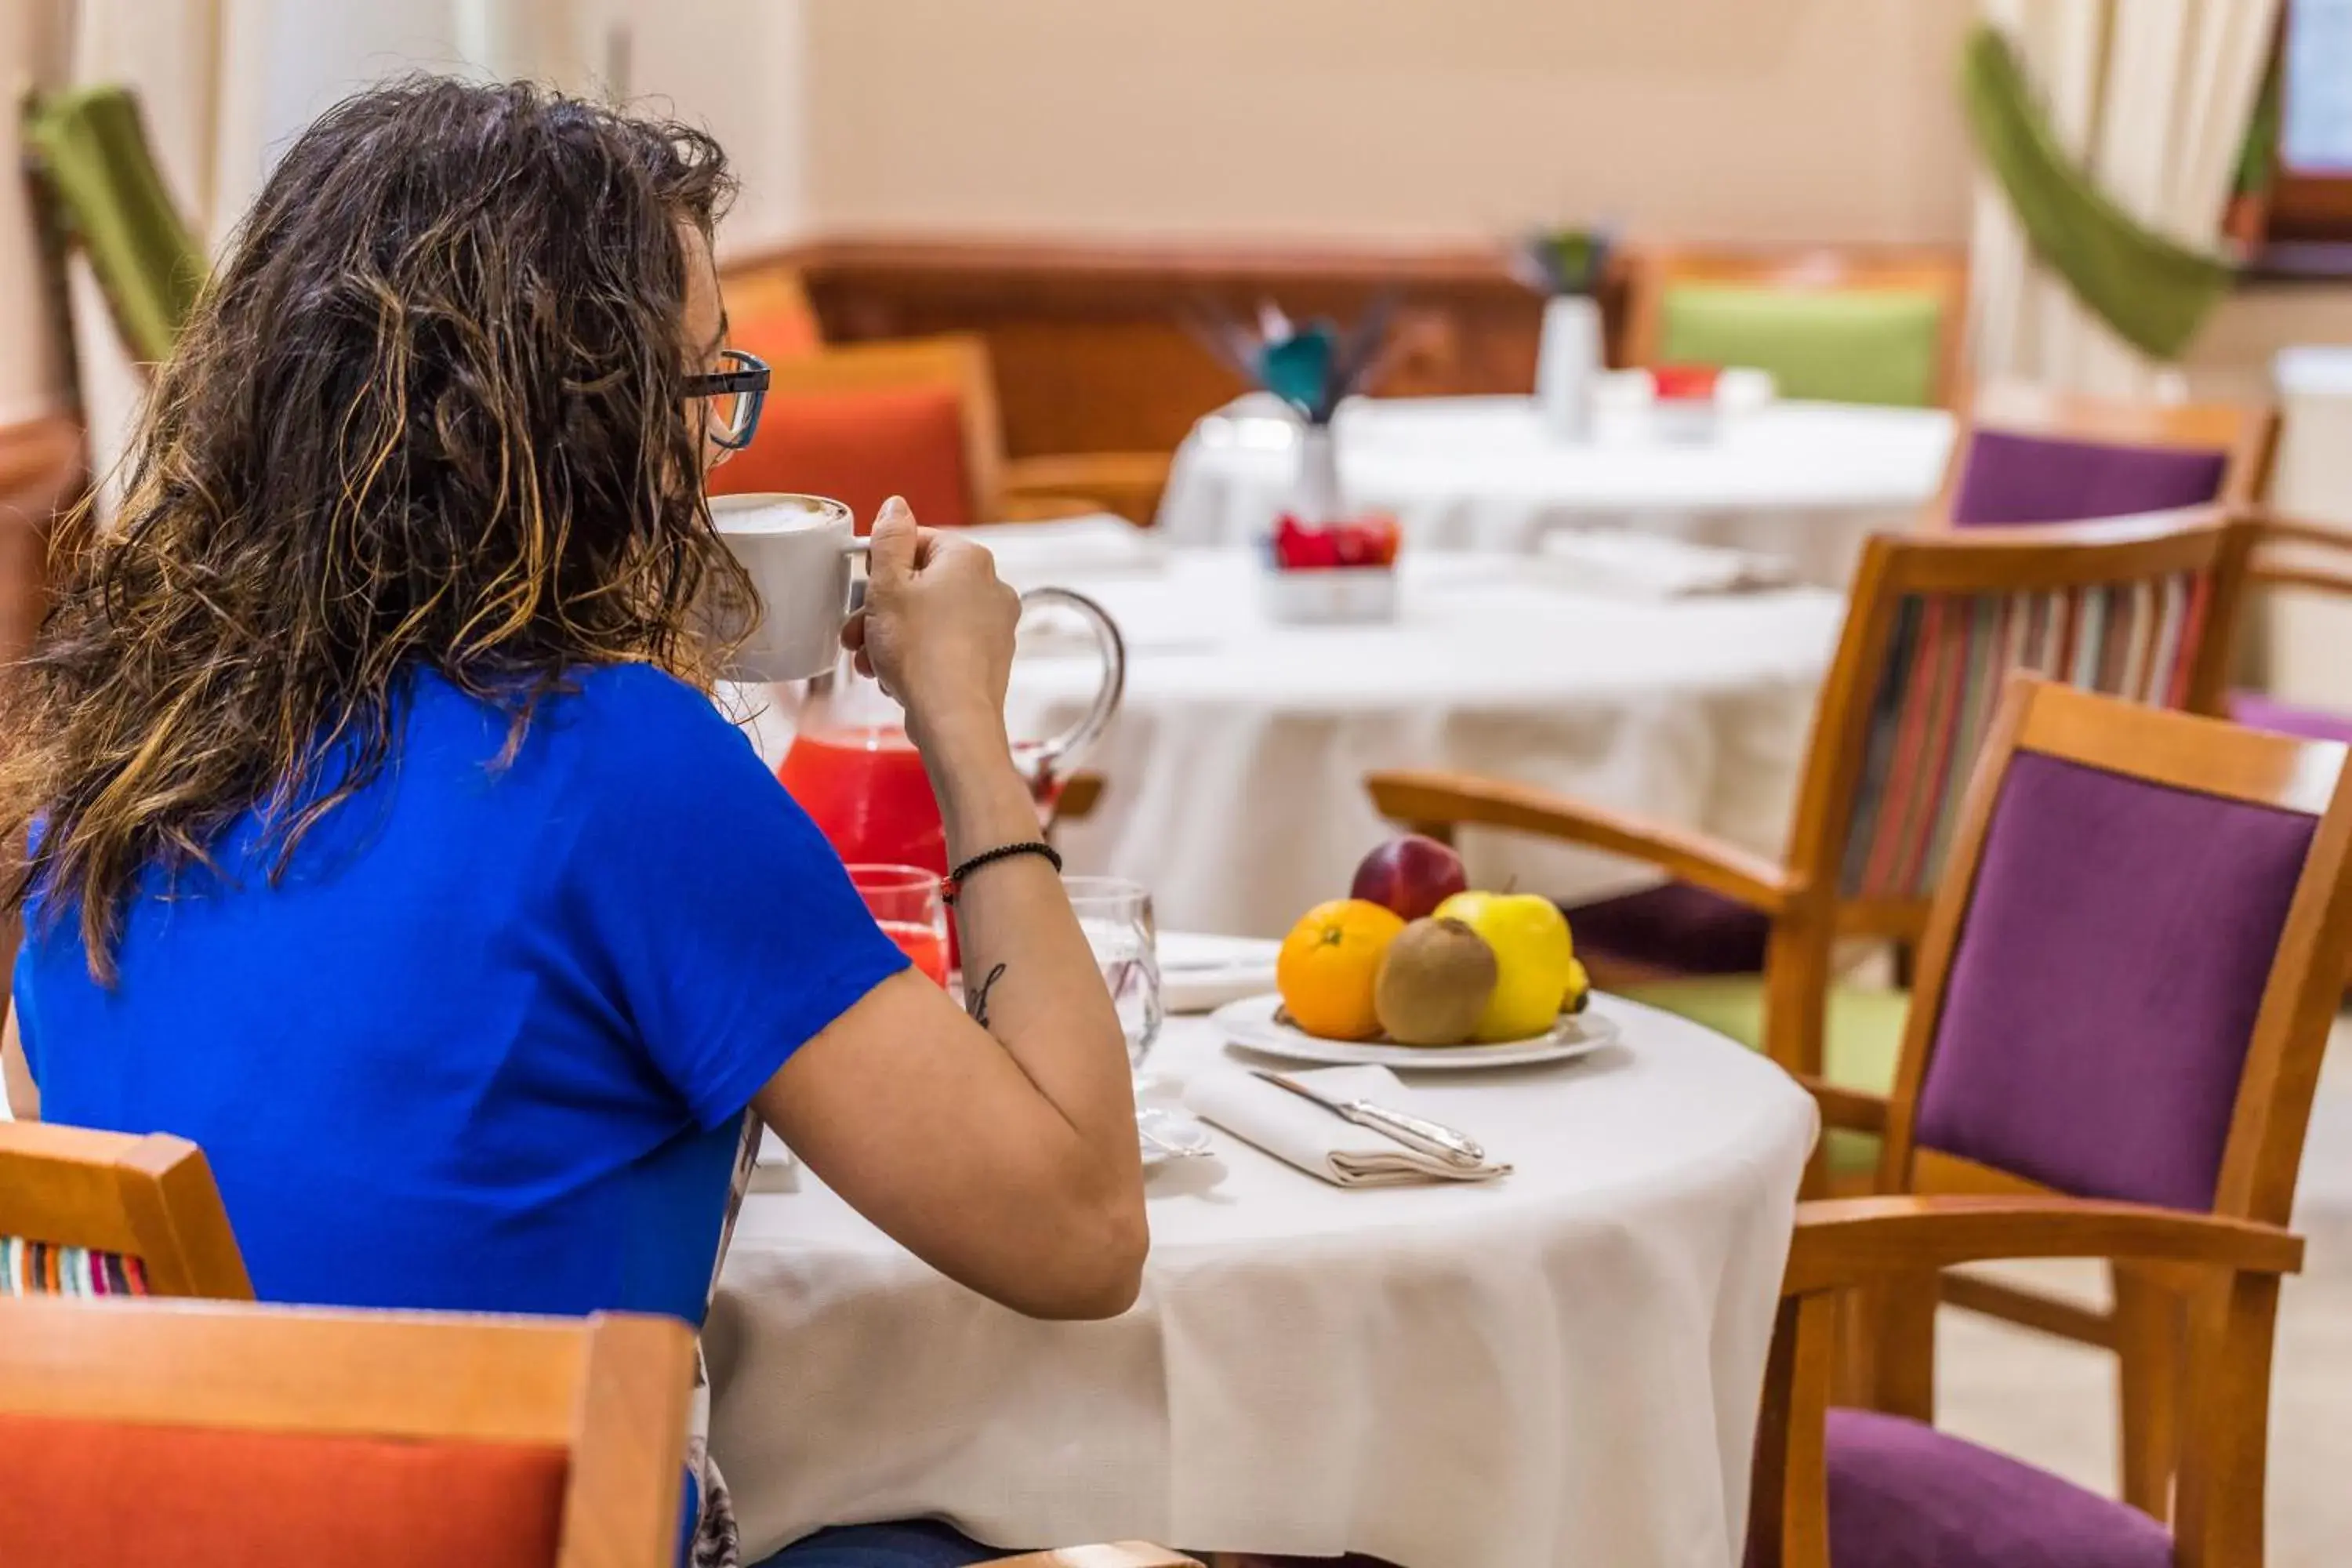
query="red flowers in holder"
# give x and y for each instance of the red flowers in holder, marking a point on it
(1312, 547)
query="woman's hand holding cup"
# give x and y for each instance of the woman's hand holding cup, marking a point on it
(937, 630)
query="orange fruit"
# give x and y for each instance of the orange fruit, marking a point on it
(1327, 966)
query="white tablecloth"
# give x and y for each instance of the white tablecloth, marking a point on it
(1559, 1368)
(1806, 481)
(1236, 765)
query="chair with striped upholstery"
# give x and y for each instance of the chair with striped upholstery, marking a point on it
(2027, 455)
(104, 1213)
(2141, 609)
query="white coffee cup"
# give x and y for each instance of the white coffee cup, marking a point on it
(798, 551)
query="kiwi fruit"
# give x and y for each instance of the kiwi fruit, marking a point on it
(1433, 983)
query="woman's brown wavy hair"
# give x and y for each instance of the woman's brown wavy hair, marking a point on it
(429, 413)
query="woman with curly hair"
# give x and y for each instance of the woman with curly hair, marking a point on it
(380, 835)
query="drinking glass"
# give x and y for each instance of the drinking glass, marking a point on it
(905, 901)
(1116, 915)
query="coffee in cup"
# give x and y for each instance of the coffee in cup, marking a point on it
(797, 549)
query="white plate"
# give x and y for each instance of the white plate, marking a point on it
(1250, 1023)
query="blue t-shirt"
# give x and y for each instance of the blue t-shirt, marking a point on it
(488, 1043)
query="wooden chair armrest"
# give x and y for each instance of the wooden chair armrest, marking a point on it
(1841, 1243)
(1436, 803)
(1127, 483)
(1085, 470)
(2279, 575)
(2284, 548)
(2271, 529)
(1121, 1554)
(1849, 1110)
(1024, 507)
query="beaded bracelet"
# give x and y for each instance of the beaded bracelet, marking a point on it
(951, 889)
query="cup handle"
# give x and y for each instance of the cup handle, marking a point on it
(1046, 757)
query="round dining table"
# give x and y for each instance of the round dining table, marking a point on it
(1233, 769)
(1804, 483)
(1559, 1367)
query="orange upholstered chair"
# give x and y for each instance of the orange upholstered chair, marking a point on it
(769, 314)
(916, 417)
(215, 1435)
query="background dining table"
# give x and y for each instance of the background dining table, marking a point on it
(1803, 482)
(1561, 1367)
(1233, 769)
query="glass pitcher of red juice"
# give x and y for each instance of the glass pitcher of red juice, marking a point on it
(858, 775)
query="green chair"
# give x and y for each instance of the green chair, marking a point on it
(1828, 328)
(100, 192)
(2142, 609)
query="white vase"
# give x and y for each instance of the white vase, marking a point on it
(1314, 491)
(1568, 364)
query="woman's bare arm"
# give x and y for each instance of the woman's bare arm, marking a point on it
(16, 1075)
(1005, 1155)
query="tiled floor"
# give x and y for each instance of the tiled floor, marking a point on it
(2054, 1404)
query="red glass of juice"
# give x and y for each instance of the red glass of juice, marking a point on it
(905, 902)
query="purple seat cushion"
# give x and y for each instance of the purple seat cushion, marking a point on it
(1678, 928)
(2100, 1000)
(1907, 1496)
(2014, 479)
(2257, 712)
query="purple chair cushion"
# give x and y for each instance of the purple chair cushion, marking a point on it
(2014, 479)
(1907, 1496)
(2099, 1003)
(2257, 712)
(1676, 928)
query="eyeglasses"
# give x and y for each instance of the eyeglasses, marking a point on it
(735, 395)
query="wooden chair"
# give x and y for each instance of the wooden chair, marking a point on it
(769, 314)
(138, 1432)
(142, 1217)
(85, 1213)
(1661, 281)
(2034, 454)
(2126, 990)
(2142, 608)
(1806, 1453)
(885, 417)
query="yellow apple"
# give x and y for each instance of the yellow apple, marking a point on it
(1534, 960)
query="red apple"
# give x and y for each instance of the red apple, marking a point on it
(1411, 875)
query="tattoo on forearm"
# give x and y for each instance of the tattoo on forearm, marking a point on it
(978, 1004)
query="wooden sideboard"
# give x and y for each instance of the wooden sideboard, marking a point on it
(1088, 340)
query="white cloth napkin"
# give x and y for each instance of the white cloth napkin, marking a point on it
(1318, 1140)
(1624, 565)
(1200, 972)
(1031, 553)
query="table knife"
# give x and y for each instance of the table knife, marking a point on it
(1417, 1132)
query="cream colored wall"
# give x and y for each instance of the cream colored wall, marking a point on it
(1762, 119)
(736, 67)
(2231, 358)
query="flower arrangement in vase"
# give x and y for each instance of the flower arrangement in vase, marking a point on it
(1569, 265)
(1326, 561)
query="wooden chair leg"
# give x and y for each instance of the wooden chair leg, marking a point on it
(2151, 1331)
(1901, 1329)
